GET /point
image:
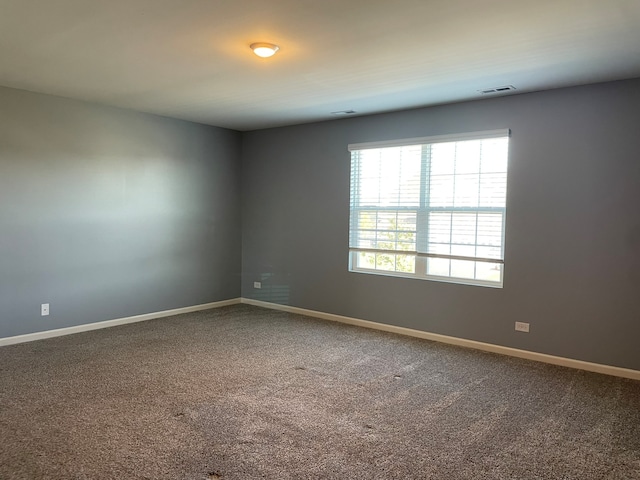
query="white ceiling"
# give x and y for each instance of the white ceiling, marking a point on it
(190, 59)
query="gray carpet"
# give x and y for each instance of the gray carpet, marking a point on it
(242, 392)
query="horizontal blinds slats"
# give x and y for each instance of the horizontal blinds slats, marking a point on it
(455, 233)
(504, 132)
(388, 177)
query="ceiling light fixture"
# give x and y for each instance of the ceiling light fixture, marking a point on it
(264, 50)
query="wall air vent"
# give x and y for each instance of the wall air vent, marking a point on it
(504, 88)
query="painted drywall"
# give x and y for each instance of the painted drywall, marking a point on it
(572, 259)
(106, 213)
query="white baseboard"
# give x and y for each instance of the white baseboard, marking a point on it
(487, 347)
(29, 337)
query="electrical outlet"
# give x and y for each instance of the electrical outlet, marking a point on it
(257, 284)
(522, 327)
(44, 309)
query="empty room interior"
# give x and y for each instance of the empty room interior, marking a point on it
(341, 240)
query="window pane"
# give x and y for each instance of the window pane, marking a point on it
(493, 189)
(463, 269)
(494, 155)
(405, 263)
(407, 221)
(366, 220)
(490, 229)
(366, 260)
(466, 190)
(490, 272)
(386, 220)
(387, 176)
(366, 240)
(463, 250)
(489, 252)
(438, 266)
(440, 248)
(439, 227)
(441, 190)
(385, 261)
(463, 228)
(406, 241)
(395, 230)
(386, 241)
(443, 158)
(468, 157)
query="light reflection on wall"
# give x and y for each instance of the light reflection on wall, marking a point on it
(275, 287)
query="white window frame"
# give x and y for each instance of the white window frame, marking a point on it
(422, 223)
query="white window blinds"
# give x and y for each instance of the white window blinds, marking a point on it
(430, 208)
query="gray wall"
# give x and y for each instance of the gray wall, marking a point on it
(106, 213)
(572, 237)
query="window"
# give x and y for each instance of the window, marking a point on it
(430, 208)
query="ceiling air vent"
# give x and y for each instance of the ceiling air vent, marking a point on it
(344, 112)
(504, 88)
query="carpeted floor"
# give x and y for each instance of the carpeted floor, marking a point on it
(242, 392)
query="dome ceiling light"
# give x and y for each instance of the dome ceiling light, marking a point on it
(264, 50)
